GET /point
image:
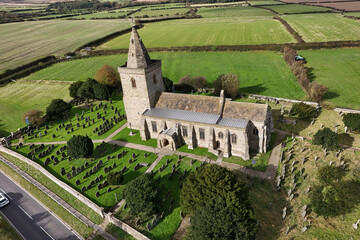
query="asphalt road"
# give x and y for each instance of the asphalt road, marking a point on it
(29, 217)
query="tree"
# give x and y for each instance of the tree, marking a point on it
(101, 92)
(168, 84)
(352, 120)
(74, 87)
(34, 117)
(107, 75)
(328, 201)
(216, 220)
(229, 83)
(57, 108)
(194, 82)
(115, 178)
(208, 182)
(329, 174)
(326, 138)
(317, 91)
(303, 110)
(80, 146)
(86, 90)
(141, 196)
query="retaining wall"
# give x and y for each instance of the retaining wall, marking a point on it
(126, 228)
(277, 99)
(63, 185)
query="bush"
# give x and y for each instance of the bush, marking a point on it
(328, 201)
(108, 75)
(57, 108)
(194, 82)
(141, 196)
(101, 92)
(80, 146)
(352, 120)
(229, 83)
(329, 174)
(303, 110)
(326, 138)
(217, 220)
(115, 178)
(208, 182)
(74, 87)
(317, 91)
(168, 84)
(34, 117)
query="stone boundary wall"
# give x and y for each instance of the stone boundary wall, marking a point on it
(63, 185)
(347, 110)
(126, 228)
(277, 99)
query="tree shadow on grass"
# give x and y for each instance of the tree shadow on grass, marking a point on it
(3, 132)
(310, 73)
(346, 139)
(255, 89)
(330, 95)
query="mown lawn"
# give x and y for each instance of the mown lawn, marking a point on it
(23, 42)
(324, 27)
(193, 32)
(124, 136)
(106, 199)
(259, 72)
(339, 70)
(17, 98)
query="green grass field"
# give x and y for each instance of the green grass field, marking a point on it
(274, 79)
(106, 14)
(260, 2)
(42, 38)
(296, 8)
(324, 27)
(156, 12)
(221, 4)
(234, 12)
(339, 70)
(353, 14)
(17, 98)
(198, 33)
(105, 199)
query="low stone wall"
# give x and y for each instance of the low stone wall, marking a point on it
(126, 228)
(346, 110)
(277, 99)
(63, 185)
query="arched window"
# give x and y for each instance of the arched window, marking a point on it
(233, 138)
(133, 83)
(154, 78)
(256, 131)
(220, 135)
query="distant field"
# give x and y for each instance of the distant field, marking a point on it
(353, 14)
(324, 27)
(217, 4)
(296, 8)
(196, 33)
(233, 12)
(17, 98)
(260, 2)
(346, 6)
(164, 12)
(274, 79)
(27, 41)
(339, 70)
(105, 14)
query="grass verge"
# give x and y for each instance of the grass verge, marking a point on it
(6, 231)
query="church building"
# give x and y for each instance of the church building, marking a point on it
(223, 126)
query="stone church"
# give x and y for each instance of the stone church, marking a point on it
(217, 123)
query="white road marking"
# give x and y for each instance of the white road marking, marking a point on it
(26, 213)
(47, 233)
(12, 225)
(6, 194)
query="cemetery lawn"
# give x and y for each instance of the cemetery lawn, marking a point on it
(172, 219)
(105, 199)
(17, 98)
(136, 138)
(339, 227)
(339, 70)
(63, 135)
(42, 38)
(196, 32)
(324, 27)
(296, 8)
(201, 151)
(234, 12)
(6, 231)
(262, 160)
(81, 228)
(274, 79)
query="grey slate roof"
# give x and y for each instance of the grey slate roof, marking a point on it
(199, 117)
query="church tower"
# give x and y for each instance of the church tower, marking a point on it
(141, 79)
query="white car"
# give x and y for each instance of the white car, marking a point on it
(3, 200)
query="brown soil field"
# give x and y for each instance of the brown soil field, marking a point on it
(310, 1)
(345, 6)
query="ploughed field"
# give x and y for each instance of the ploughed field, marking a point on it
(324, 27)
(194, 32)
(344, 6)
(259, 72)
(24, 42)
